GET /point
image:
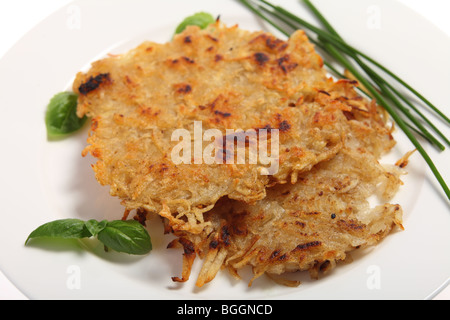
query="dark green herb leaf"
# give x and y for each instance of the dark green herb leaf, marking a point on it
(95, 227)
(122, 236)
(200, 19)
(126, 236)
(65, 229)
(61, 116)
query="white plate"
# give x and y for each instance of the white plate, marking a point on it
(44, 181)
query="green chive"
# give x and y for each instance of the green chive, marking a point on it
(330, 42)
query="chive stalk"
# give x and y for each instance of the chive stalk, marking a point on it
(391, 93)
(372, 74)
(393, 114)
(427, 137)
(332, 43)
(337, 41)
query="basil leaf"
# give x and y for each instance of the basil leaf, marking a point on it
(201, 19)
(126, 236)
(95, 227)
(122, 236)
(61, 115)
(65, 229)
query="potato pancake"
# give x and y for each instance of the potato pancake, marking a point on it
(310, 225)
(308, 214)
(224, 78)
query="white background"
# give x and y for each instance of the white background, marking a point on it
(19, 16)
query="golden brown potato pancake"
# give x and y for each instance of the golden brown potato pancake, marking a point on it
(224, 78)
(310, 225)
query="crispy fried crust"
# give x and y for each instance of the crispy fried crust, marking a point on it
(227, 78)
(307, 216)
(307, 226)
(314, 223)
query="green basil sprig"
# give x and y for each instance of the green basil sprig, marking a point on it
(200, 19)
(122, 236)
(61, 115)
